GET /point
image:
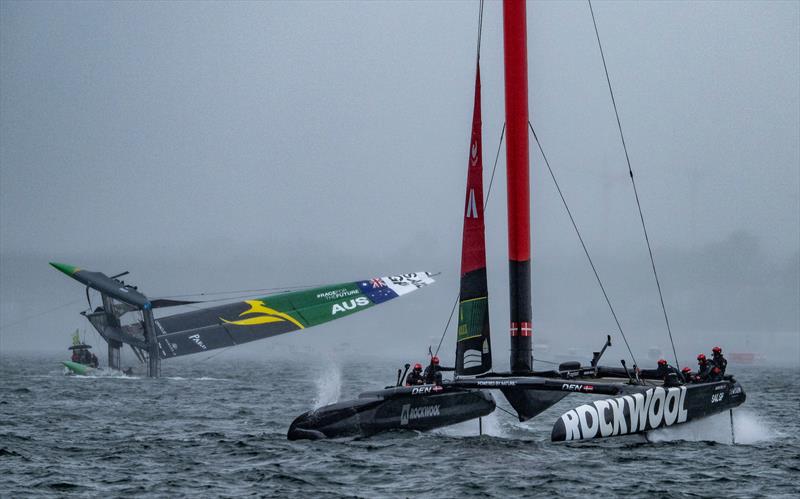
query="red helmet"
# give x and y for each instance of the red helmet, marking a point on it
(701, 357)
(662, 362)
(686, 370)
(435, 359)
(716, 350)
(417, 366)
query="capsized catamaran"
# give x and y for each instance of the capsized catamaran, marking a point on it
(154, 338)
(636, 401)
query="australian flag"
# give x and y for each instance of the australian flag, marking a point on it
(377, 290)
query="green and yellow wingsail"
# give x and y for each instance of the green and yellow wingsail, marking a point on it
(227, 325)
(250, 320)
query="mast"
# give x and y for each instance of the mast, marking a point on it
(519, 247)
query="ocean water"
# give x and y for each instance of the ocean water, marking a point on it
(218, 428)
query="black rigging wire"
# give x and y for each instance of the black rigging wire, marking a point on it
(450, 318)
(480, 28)
(491, 180)
(583, 244)
(507, 411)
(633, 183)
(245, 291)
(34, 316)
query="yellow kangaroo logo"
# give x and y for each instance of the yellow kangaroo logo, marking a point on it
(267, 315)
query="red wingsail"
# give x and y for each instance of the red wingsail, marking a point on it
(473, 348)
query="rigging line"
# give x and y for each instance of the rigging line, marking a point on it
(480, 28)
(494, 168)
(218, 353)
(217, 300)
(507, 412)
(633, 183)
(452, 311)
(214, 293)
(25, 319)
(583, 244)
(485, 205)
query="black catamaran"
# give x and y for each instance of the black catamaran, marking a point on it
(155, 338)
(635, 400)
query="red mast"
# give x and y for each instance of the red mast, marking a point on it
(519, 239)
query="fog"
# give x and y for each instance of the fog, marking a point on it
(212, 147)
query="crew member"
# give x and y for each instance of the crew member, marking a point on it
(75, 356)
(670, 375)
(95, 362)
(703, 368)
(415, 376)
(433, 373)
(719, 361)
(688, 377)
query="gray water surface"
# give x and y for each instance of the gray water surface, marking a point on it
(218, 428)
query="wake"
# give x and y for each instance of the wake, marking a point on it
(748, 429)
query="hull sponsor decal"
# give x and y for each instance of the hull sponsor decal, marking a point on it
(625, 415)
(409, 413)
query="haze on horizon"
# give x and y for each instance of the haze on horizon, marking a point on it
(208, 147)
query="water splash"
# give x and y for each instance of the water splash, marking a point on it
(494, 424)
(748, 428)
(329, 385)
(96, 373)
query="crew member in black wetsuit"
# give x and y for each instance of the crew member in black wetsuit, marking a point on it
(688, 377)
(670, 375)
(719, 361)
(703, 369)
(415, 376)
(433, 373)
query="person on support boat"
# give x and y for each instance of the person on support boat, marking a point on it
(95, 362)
(718, 360)
(415, 376)
(688, 377)
(433, 373)
(704, 368)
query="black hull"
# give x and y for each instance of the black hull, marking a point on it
(643, 409)
(419, 408)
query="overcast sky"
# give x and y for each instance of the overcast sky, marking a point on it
(218, 146)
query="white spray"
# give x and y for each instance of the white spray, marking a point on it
(329, 385)
(748, 429)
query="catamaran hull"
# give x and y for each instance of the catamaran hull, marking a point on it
(77, 368)
(419, 408)
(648, 409)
